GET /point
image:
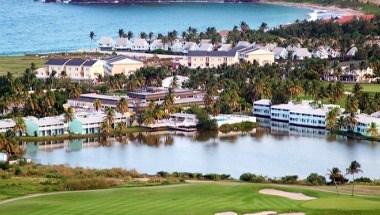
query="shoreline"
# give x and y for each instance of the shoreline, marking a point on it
(324, 12)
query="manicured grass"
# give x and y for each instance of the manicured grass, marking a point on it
(370, 88)
(194, 199)
(17, 64)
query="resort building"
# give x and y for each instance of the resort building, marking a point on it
(177, 46)
(121, 65)
(76, 69)
(86, 101)
(138, 99)
(190, 46)
(90, 122)
(123, 44)
(300, 114)
(168, 82)
(212, 59)
(47, 126)
(140, 44)
(280, 53)
(106, 43)
(351, 71)
(254, 54)
(364, 122)
(176, 121)
(262, 108)
(158, 45)
(223, 119)
(6, 124)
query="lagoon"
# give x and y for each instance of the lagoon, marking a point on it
(29, 26)
(267, 151)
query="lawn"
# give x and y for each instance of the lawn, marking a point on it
(194, 199)
(17, 64)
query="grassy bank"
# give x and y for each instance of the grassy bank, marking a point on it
(195, 198)
(17, 64)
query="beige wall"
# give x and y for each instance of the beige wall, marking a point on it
(126, 69)
(211, 61)
(260, 57)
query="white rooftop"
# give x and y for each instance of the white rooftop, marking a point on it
(6, 123)
(262, 102)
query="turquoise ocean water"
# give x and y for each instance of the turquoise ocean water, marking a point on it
(27, 26)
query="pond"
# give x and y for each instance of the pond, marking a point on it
(272, 152)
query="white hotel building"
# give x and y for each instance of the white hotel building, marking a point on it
(301, 114)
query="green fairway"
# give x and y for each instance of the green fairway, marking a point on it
(370, 88)
(194, 199)
(17, 64)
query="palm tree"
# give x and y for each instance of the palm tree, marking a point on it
(143, 35)
(353, 169)
(373, 130)
(69, 115)
(97, 104)
(121, 128)
(121, 33)
(9, 145)
(122, 106)
(333, 174)
(20, 126)
(331, 118)
(92, 37)
(108, 121)
(75, 91)
(129, 35)
(168, 102)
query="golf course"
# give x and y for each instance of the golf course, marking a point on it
(200, 198)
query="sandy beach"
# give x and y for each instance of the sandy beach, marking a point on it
(319, 11)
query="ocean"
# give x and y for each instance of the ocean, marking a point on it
(28, 27)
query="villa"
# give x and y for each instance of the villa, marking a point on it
(121, 65)
(123, 44)
(106, 43)
(158, 45)
(140, 44)
(47, 126)
(177, 46)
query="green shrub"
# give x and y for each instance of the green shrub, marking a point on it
(89, 183)
(249, 177)
(315, 179)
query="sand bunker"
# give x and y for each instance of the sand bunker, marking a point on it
(275, 213)
(289, 195)
(263, 213)
(226, 213)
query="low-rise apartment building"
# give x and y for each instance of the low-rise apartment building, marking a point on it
(121, 65)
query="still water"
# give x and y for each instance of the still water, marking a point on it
(271, 152)
(28, 26)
